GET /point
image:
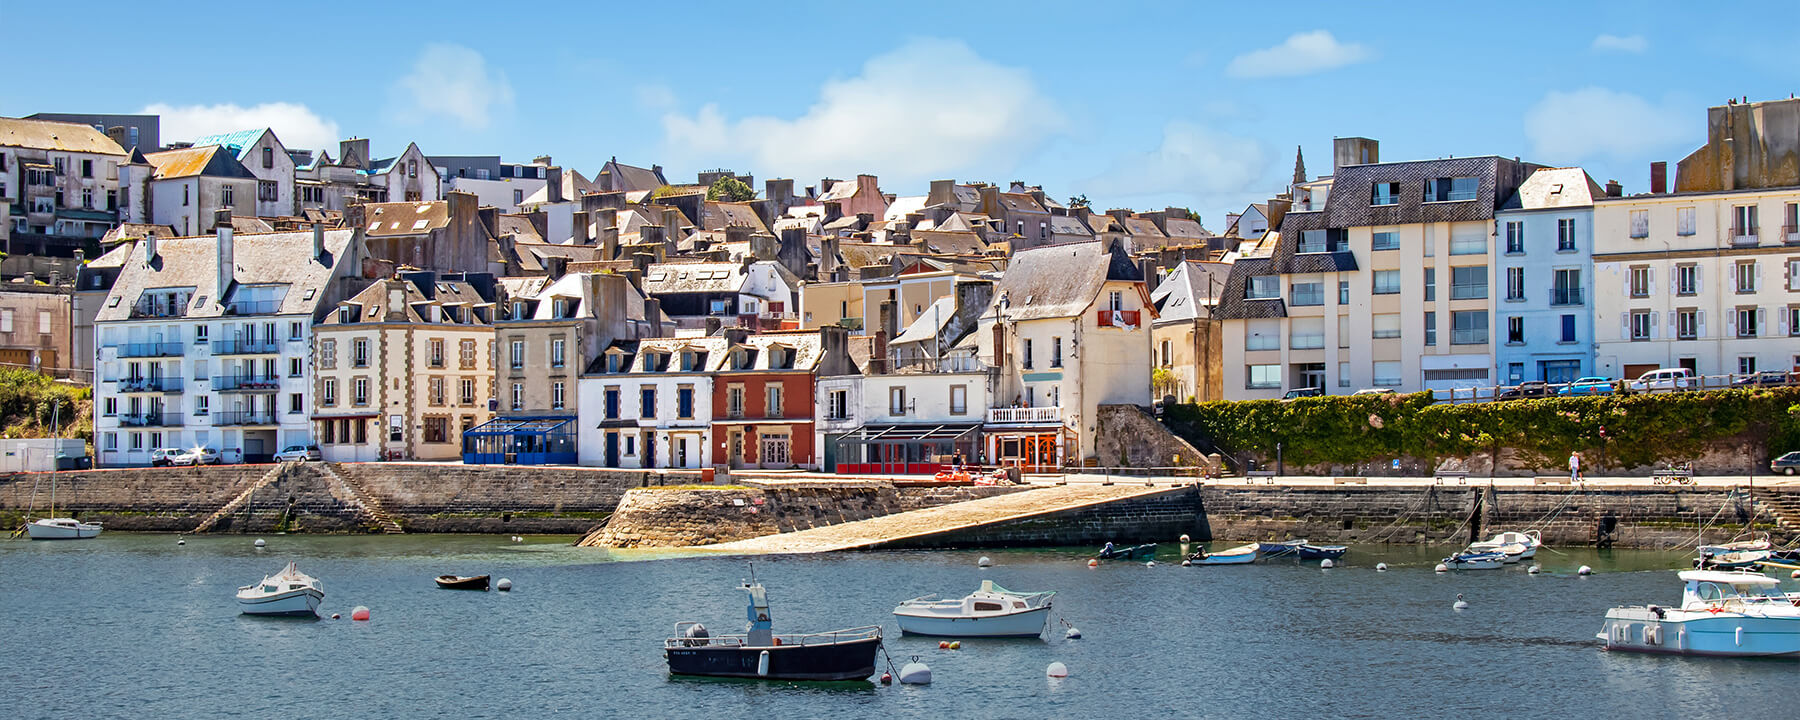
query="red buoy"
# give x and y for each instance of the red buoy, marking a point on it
(360, 614)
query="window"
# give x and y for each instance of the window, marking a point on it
(516, 360)
(360, 391)
(1743, 223)
(1343, 331)
(1687, 324)
(1263, 287)
(1744, 273)
(1306, 293)
(1430, 329)
(111, 406)
(1343, 292)
(1384, 325)
(1515, 238)
(556, 352)
(87, 168)
(612, 402)
(1568, 329)
(201, 404)
(518, 396)
(112, 441)
(1793, 324)
(327, 349)
(647, 401)
(1262, 335)
(437, 352)
(1565, 235)
(87, 199)
(1515, 372)
(6, 320)
(1343, 374)
(412, 168)
(396, 428)
(1387, 282)
(44, 322)
(1684, 221)
(1639, 281)
(267, 191)
(1451, 189)
(1790, 223)
(1468, 242)
(773, 396)
(359, 353)
(296, 403)
(1468, 283)
(1640, 223)
(1687, 280)
(295, 367)
(1746, 364)
(1515, 283)
(518, 196)
(1566, 287)
(1384, 240)
(1025, 359)
(959, 399)
(1263, 376)
(1314, 241)
(684, 402)
(436, 390)
(1306, 333)
(1515, 330)
(137, 441)
(1387, 373)
(225, 195)
(437, 430)
(1056, 352)
(837, 405)
(1641, 325)
(1385, 194)
(734, 401)
(1749, 321)
(1166, 352)
(556, 395)
(896, 400)
(184, 195)
(1468, 327)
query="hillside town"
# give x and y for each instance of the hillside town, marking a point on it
(236, 293)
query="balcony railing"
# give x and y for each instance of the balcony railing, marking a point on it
(138, 350)
(1025, 416)
(1118, 318)
(156, 419)
(158, 310)
(1790, 234)
(1741, 235)
(253, 307)
(246, 347)
(148, 385)
(1565, 296)
(243, 417)
(246, 383)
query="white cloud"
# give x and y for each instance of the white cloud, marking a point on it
(451, 81)
(1301, 54)
(296, 125)
(929, 108)
(1194, 161)
(1620, 43)
(1568, 126)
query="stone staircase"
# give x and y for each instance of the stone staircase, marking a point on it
(1783, 506)
(237, 503)
(366, 499)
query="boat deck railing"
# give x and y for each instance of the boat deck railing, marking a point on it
(869, 632)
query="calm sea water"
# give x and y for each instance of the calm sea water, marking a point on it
(133, 625)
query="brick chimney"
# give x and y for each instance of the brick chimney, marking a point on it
(1659, 177)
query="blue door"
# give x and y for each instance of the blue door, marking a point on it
(612, 449)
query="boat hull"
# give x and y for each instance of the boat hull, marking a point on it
(1229, 559)
(1028, 623)
(1632, 630)
(293, 603)
(1322, 552)
(78, 531)
(848, 660)
(1136, 552)
(452, 582)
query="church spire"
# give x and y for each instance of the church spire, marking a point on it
(1299, 166)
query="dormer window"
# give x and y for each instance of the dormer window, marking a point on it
(347, 314)
(740, 359)
(687, 361)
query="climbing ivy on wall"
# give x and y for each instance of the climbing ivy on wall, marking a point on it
(1619, 431)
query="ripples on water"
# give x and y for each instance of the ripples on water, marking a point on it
(133, 625)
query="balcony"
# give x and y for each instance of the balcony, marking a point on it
(1119, 318)
(148, 385)
(158, 309)
(1565, 296)
(243, 417)
(142, 350)
(1025, 416)
(1741, 235)
(246, 383)
(155, 419)
(246, 347)
(253, 307)
(1790, 234)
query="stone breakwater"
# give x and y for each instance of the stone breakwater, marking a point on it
(690, 516)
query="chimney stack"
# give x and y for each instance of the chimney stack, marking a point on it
(318, 233)
(226, 259)
(1659, 177)
(1614, 189)
(149, 248)
(582, 227)
(553, 186)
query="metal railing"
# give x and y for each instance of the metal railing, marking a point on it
(1741, 235)
(1790, 234)
(1565, 296)
(137, 350)
(156, 419)
(253, 307)
(867, 632)
(246, 383)
(1023, 415)
(158, 310)
(243, 417)
(166, 384)
(246, 347)
(1691, 383)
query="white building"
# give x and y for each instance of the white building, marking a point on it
(206, 341)
(185, 189)
(495, 183)
(61, 183)
(265, 157)
(649, 404)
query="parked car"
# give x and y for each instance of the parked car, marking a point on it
(181, 457)
(1304, 392)
(1527, 390)
(1664, 379)
(1588, 386)
(160, 456)
(299, 453)
(1766, 378)
(203, 456)
(1374, 391)
(1788, 464)
(231, 456)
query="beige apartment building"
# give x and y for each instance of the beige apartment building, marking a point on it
(550, 330)
(404, 367)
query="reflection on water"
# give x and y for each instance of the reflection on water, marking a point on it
(136, 625)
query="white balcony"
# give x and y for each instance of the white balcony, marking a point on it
(1025, 416)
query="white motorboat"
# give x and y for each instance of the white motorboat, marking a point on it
(1726, 614)
(289, 592)
(991, 611)
(61, 529)
(1517, 545)
(1757, 543)
(1490, 560)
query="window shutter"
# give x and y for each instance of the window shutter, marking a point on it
(1627, 288)
(1755, 276)
(1654, 323)
(1783, 317)
(1730, 323)
(1762, 321)
(1674, 276)
(1650, 281)
(1700, 324)
(1699, 281)
(1625, 326)
(1674, 317)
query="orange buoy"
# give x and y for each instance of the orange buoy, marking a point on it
(1093, 563)
(360, 613)
(943, 644)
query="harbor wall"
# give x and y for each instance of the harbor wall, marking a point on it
(1162, 517)
(690, 516)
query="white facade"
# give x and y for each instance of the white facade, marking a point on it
(269, 161)
(651, 409)
(503, 193)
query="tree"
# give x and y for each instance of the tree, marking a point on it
(731, 189)
(1078, 201)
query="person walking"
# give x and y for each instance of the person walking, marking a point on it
(1575, 466)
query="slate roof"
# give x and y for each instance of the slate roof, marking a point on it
(1068, 225)
(205, 160)
(1061, 280)
(950, 243)
(806, 346)
(131, 231)
(901, 206)
(449, 293)
(518, 226)
(1185, 228)
(840, 190)
(46, 135)
(930, 322)
(704, 277)
(1352, 188)
(406, 218)
(660, 355)
(1232, 303)
(1021, 202)
(1555, 188)
(718, 215)
(262, 259)
(630, 178)
(1185, 290)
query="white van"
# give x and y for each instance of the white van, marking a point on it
(1668, 379)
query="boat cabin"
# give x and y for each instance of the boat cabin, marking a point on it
(1704, 590)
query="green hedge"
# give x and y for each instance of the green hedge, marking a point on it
(30, 404)
(1639, 429)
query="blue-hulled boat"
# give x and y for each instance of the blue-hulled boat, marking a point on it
(1271, 550)
(1309, 551)
(1240, 555)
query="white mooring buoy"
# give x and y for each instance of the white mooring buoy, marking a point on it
(1795, 574)
(1442, 568)
(1584, 570)
(1533, 570)
(985, 561)
(1460, 604)
(1151, 563)
(1184, 538)
(504, 585)
(260, 542)
(179, 541)
(1073, 633)
(1325, 564)
(1380, 567)
(915, 673)
(1057, 670)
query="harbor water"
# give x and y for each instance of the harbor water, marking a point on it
(137, 626)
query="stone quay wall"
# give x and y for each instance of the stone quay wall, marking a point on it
(683, 517)
(1163, 517)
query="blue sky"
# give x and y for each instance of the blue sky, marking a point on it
(1133, 104)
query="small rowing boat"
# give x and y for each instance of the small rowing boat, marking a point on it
(1240, 555)
(463, 582)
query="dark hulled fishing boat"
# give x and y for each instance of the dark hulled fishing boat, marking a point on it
(760, 653)
(459, 582)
